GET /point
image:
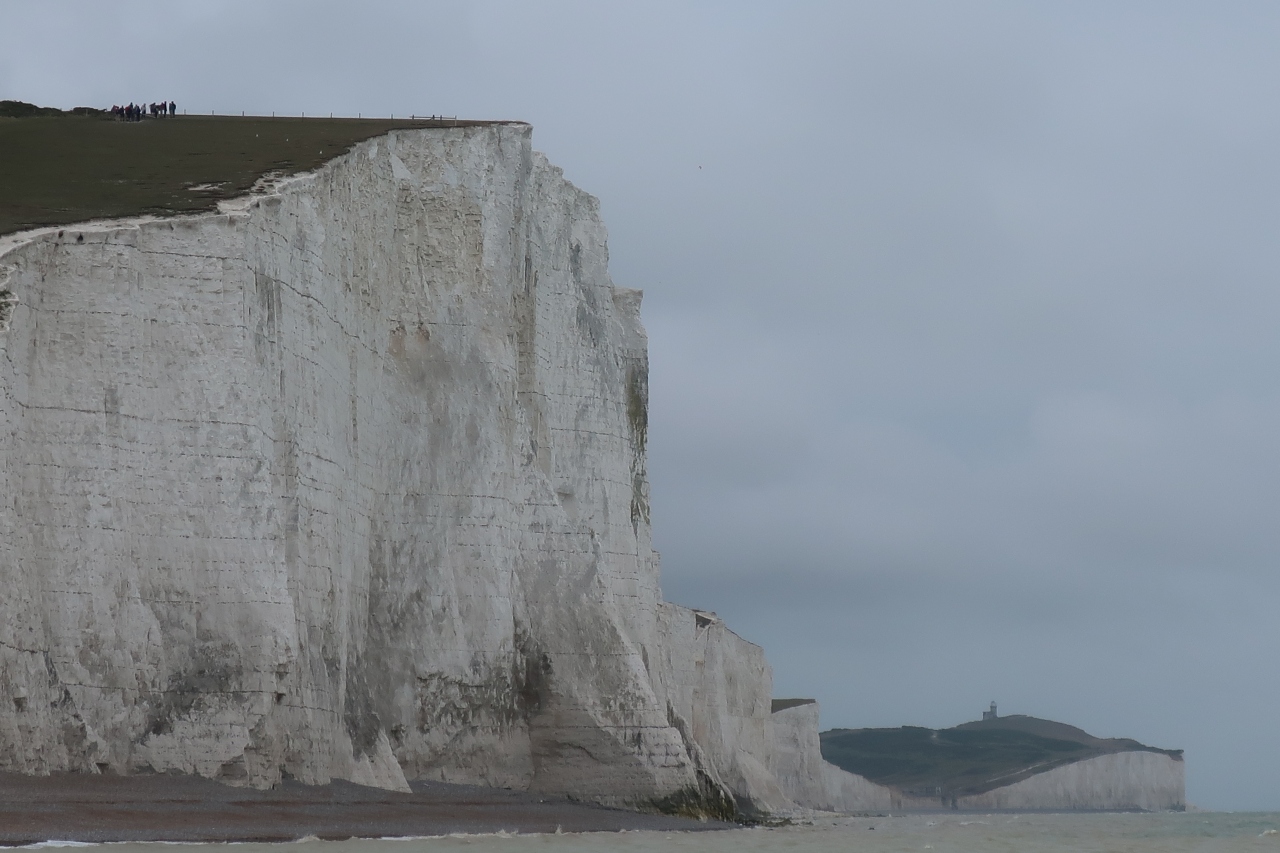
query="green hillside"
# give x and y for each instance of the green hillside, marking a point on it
(969, 758)
(57, 168)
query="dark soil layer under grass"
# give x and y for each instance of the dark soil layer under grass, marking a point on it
(968, 759)
(64, 168)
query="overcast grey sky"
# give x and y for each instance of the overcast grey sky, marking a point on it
(962, 315)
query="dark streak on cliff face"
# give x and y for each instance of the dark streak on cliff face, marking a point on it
(638, 418)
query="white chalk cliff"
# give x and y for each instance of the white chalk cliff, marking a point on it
(808, 780)
(348, 481)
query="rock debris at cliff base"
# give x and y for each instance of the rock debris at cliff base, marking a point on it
(60, 169)
(85, 808)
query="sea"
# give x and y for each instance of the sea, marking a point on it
(948, 833)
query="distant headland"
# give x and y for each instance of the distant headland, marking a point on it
(981, 764)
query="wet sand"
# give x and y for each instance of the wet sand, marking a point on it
(83, 807)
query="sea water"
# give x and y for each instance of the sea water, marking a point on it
(947, 833)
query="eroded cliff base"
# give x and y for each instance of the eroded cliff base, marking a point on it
(94, 808)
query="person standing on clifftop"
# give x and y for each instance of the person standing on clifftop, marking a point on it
(173, 108)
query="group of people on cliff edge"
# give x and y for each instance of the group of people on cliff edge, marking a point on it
(136, 112)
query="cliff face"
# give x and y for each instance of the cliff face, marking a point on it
(349, 481)
(1147, 781)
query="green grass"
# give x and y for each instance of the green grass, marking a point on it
(784, 704)
(967, 759)
(58, 169)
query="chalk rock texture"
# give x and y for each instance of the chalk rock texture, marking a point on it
(348, 481)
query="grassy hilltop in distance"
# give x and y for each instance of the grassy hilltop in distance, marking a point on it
(58, 168)
(970, 758)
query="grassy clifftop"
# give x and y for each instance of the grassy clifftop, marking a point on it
(970, 758)
(59, 168)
